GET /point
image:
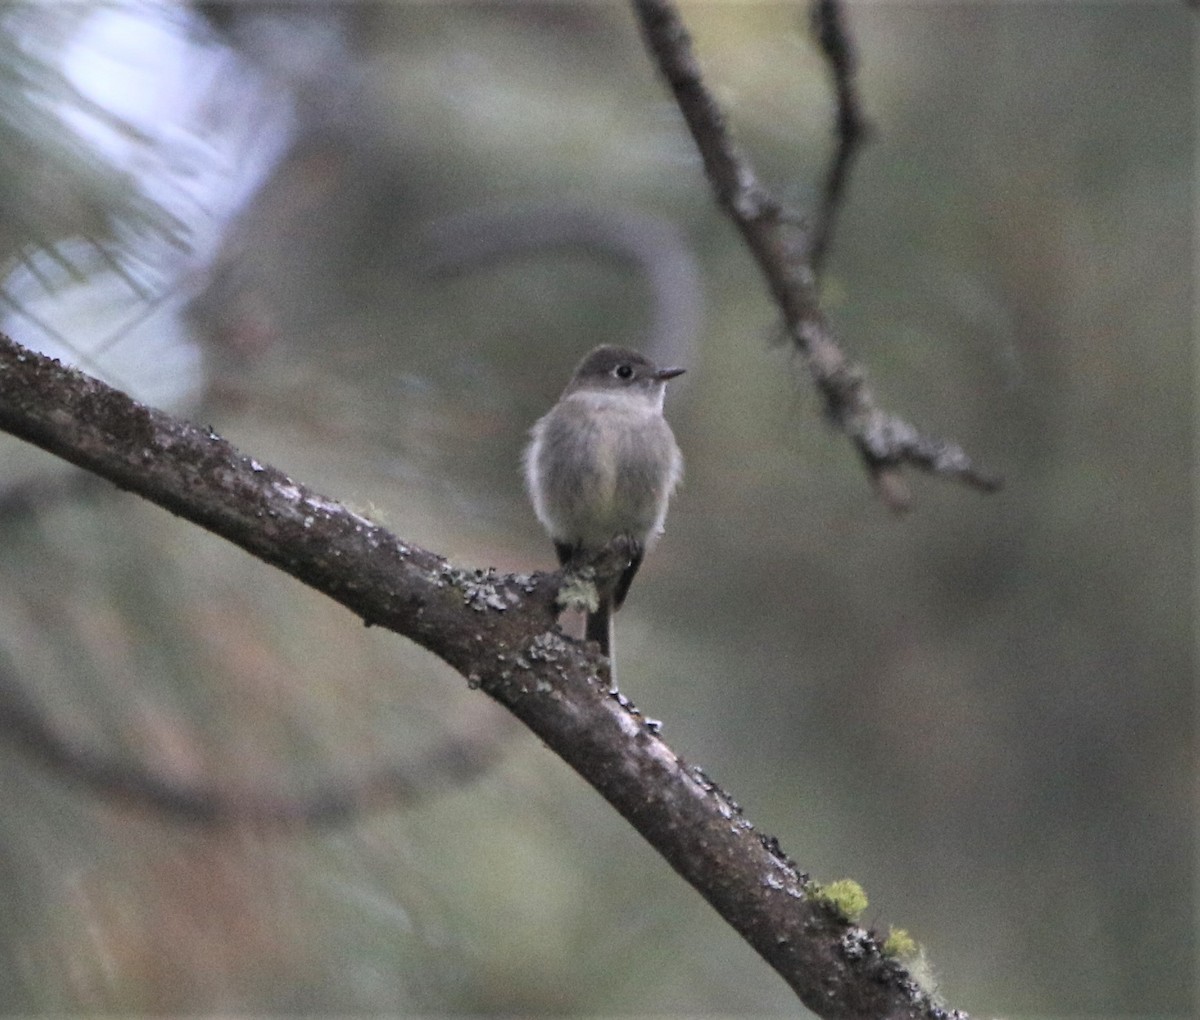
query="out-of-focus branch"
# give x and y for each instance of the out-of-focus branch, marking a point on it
(652, 246)
(454, 759)
(783, 249)
(498, 632)
(29, 496)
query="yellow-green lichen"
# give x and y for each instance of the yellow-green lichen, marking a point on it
(899, 944)
(845, 896)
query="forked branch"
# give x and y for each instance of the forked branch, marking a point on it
(788, 255)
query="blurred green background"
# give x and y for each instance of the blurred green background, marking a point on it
(983, 711)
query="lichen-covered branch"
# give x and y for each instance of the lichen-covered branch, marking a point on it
(498, 632)
(783, 248)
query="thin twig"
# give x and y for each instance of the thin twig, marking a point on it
(850, 126)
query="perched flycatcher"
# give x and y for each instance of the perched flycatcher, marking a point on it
(602, 464)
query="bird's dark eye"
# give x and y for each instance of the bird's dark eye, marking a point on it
(624, 371)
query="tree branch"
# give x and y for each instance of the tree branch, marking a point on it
(651, 246)
(498, 632)
(784, 249)
(453, 759)
(849, 124)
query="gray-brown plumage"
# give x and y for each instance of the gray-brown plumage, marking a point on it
(602, 465)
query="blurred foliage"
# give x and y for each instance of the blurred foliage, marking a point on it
(982, 712)
(53, 184)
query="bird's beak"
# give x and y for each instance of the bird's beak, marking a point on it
(669, 373)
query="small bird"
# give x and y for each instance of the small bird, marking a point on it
(601, 465)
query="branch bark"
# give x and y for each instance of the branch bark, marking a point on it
(783, 248)
(497, 631)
